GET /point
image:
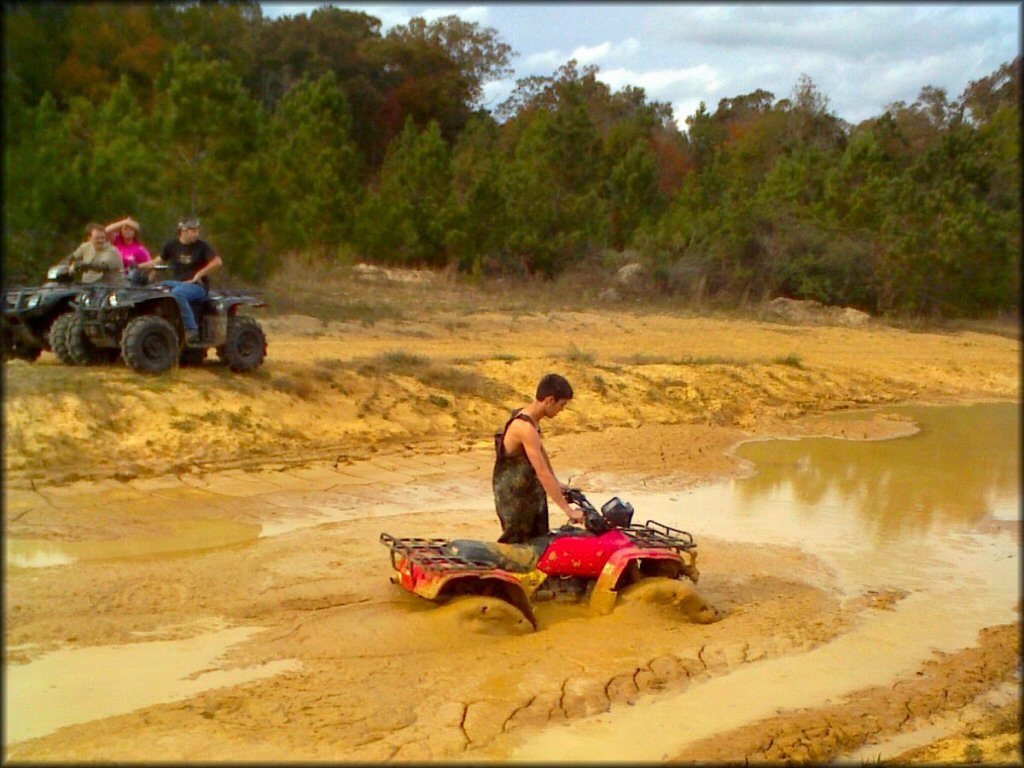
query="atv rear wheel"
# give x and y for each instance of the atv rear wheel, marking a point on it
(486, 615)
(246, 345)
(59, 337)
(150, 344)
(81, 350)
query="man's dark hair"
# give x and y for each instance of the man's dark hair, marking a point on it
(91, 227)
(553, 385)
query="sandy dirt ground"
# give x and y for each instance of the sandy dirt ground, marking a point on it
(225, 592)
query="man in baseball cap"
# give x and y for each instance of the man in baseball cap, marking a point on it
(191, 260)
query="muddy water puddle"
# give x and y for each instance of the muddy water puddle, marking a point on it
(182, 538)
(61, 688)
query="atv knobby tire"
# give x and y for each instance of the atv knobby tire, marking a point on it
(81, 350)
(15, 350)
(59, 331)
(246, 345)
(149, 344)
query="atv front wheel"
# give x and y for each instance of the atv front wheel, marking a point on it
(676, 595)
(19, 351)
(59, 331)
(246, 345)
(150, 344)
(81, 350)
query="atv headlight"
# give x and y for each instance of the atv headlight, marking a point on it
(112, 299)
(51, 273)
(33, 301)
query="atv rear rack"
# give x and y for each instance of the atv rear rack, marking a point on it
(658, 535)
(429, 555)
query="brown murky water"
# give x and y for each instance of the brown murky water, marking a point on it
(932, 516)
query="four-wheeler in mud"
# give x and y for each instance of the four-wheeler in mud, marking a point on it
(596, 563)
(37, 319)
(142, 322)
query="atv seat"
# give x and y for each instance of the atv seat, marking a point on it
(516, 558)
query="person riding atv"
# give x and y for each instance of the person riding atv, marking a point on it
(608, 557)
(143, 322)
(40, 319)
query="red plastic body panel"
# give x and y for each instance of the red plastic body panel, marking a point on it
(582, 555)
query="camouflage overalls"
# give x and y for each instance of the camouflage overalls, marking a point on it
(519, 498)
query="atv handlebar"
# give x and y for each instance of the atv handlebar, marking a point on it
(593, 521)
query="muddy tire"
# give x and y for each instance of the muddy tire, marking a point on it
(59, 331)
(15, 350)
(150, 344)
(672, 594)
(246, 345)
(484, 615)
(192, 356)
(81, 350)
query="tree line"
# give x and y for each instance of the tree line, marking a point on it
(320, 134)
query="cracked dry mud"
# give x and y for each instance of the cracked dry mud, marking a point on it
(368, 673)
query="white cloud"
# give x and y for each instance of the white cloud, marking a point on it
(590, 54)
(702, 78)
(551, 59)
(472, 13)
(594, 54)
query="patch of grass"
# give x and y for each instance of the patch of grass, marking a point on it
(793, 361)
(973, 754)
(461, 383)
(577, 355)
(506, 358)
(439, 401)
(712, 360)
(298, 385)
(240, 419)
(643, 360)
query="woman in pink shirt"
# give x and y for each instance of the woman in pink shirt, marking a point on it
(125, 238)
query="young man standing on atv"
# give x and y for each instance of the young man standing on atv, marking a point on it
(523, 477)
(191, 260)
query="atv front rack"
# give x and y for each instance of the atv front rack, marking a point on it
(429, 554)
(658, 535)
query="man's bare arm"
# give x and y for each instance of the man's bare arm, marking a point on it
(542, 466)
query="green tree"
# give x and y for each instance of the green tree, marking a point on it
(477, 207)
(211, 135)
(317, 168)
(405, 222)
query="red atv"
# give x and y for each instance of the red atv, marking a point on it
(592, 563)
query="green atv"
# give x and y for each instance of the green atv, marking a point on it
(142, 323)
(38, 319)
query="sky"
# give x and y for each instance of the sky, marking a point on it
(861, 57)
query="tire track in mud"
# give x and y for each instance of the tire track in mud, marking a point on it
(941, 685)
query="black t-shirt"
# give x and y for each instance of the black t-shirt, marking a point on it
(188, 259)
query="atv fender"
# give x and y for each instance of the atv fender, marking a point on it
(602, 598)
(492, 584)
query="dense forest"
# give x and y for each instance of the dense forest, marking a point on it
(319, 134)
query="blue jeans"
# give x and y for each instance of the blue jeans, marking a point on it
(183, 293)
